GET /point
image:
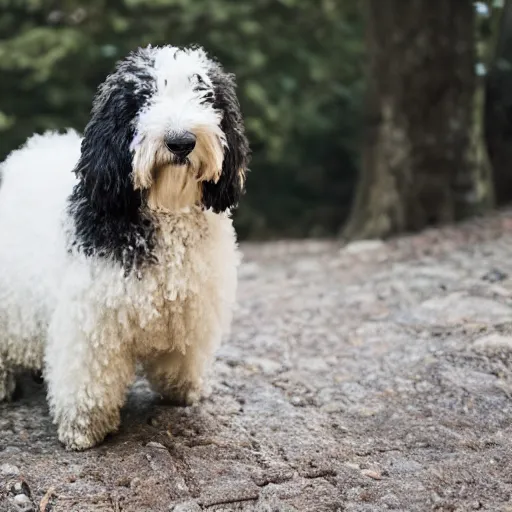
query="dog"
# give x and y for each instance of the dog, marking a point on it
(118, 248)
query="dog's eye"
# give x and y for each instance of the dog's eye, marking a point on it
(208, 98)
(198, 78)
(165, 82)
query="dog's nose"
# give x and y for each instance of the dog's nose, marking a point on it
(181, 145)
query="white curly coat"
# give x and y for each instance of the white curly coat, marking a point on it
(86, 320)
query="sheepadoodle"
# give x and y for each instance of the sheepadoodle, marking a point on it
(118, 247)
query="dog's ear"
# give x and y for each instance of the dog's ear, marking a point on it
(105, 165)
(226, 192)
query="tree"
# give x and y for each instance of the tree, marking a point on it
(498, 112)
(423, 158)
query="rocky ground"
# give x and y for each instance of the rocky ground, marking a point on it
(373, 377)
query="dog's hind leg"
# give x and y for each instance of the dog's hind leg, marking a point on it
(17, 355)
(177, 376)
(7, 381)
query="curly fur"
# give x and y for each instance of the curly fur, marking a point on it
(130, 258)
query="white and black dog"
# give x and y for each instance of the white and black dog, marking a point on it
(118, 247)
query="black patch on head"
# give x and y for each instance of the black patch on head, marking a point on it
(226, 192)
(106, 209)
(200, 86)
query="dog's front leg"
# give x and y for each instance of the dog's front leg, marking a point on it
(88, 369)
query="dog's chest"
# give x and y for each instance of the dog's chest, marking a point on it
(167, 293)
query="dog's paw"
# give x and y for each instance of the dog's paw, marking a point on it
(75, 439)
(7, 385)
(190, 397)
(184, 396)
(87, 431)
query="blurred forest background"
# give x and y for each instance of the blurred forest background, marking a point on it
(366, 118)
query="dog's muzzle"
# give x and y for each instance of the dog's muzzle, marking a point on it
(180, 145)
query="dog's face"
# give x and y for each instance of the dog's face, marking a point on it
(166, 132)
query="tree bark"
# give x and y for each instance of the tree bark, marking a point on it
(422, 161)
(498, 111)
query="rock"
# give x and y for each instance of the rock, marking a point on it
(153, 444)
(187, 506)
(363, 246)
(21, 487)
(297, 401)
(9, 470)
(10, 450)
(153, 422)
(267, 366)
(459, 308)
(494, 275)
(390, 501)
(135, 483)
(376, 475)
(23, 503)
(493, 342)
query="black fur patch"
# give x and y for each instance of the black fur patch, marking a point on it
(227, 191)
(106, 210)
(110, 218)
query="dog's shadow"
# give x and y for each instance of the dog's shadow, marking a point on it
(26, 421)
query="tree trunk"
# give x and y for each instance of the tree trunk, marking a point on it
(498, 112)
(422, 162)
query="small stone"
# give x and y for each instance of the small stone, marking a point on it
(390, 501)
(9, 469)
(10, 450)
(153, 422)
(267, 366)
(500, 291)
(332, 407)
(494, 275)
(376, 475)
(493, 342)
(187, 506)
(23, 503)
(123, 481)
(154, 444)
(297, 401)
(21, 487)
(135, 483)
(363, 246)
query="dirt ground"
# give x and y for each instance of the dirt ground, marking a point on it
(367, 378)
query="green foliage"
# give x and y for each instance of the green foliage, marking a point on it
(298, 64)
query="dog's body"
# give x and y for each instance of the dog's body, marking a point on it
(110, 266)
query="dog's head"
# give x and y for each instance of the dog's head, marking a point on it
(166, 132)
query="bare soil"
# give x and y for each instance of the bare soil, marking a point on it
(372, 377)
